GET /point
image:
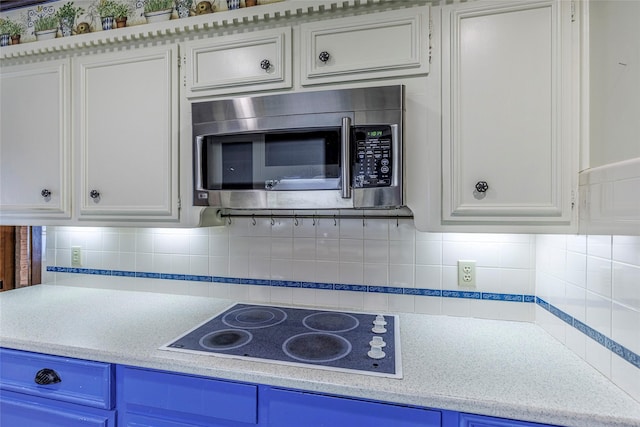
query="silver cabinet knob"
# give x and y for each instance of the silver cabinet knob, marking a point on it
(94, 194)
(324, 56)
(265, 64)
(45, 193)
(482, 186)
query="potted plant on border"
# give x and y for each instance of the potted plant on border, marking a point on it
(46, 27)
(16, 29)
(67, 15)
(183, 7)
(105, 9)
(4, 32)
(121, 12)
(158, 10)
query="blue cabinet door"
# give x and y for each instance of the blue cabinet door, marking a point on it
(294, 409)
(470, 420)
(21, 410)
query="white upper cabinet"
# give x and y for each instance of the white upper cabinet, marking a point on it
(258, 60)
(126, 131)
(34, 142)
(394, 43)
(509, 154)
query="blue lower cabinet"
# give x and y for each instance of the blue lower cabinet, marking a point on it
(163, 399)
(294, 409)
(470, 420)
(21, 410)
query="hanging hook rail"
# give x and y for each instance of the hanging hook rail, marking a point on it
(314, 217)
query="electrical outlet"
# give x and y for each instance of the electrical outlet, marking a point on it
(76, 256)
(467, 273)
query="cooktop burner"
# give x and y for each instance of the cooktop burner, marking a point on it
(324, 339)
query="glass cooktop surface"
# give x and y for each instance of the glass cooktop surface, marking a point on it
(336, 340)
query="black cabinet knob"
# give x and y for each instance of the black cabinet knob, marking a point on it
(324, 56)
(482, 186)
(265, 64)
(47, 376)
(45, 193)
(94, 194)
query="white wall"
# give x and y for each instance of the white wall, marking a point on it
(614, 56)
(595, 280)
(378, 254)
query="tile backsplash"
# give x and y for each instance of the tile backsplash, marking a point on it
(587, 288)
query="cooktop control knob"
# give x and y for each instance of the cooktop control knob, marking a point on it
(378, 325)
(376, 348)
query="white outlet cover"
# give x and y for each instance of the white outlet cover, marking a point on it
(466, 273)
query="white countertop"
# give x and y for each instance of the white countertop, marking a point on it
(498, 368)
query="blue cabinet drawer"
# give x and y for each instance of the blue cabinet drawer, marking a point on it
(75, 381)
(293, 408)
(471, 420)
(20, 410)
(170, 396)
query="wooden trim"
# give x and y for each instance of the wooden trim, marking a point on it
(36, 255)
(7, 258)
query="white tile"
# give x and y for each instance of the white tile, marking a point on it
(304, 248)
(576, 341)
(599, 357)
(306, 228)
(428, 305)
(376, 251)
(625, 327)
(144, 242)
(576, 269)
(259, 294)
(239, 266)
(401, 252)
(127, 242)
(282, 248)
(259, 268)
(328, 249)
(300, 296)
(326, 271)
(239, 292)
(422, 236)
(627, 249)
(219, 245)
(327, 229)
(199, 244)
(428, 276)
(219, 290)
(428, 252)
(376, 274)
(516, 281)
(219, 266)
(554, 326)
(144, 262)
(514, 255)
(351, 300)
(280, 295)
(402, 303)
(171, 244)
(599, 313)
(281, 269)
(626, 285)
(126, 261)
(283, 227)
(179, 264)
(577, 243)
(326, 298)
(626, 376)
(599, 246)
(455, 307)
(259, 247)
(351, 229)
(377, 229)
(599, 276)
(303, 270)
(449, 277)
(199, 265)
(350, 273)
(110, 242)
(485, 254)
(574, 302)
(401, 275)
(351, 250)
(405, 230)
(375, 302)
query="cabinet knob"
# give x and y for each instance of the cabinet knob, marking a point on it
(324, 56)
(482, 186)
(45, 193)
(94, 194)
(265, 64)
(47, 376)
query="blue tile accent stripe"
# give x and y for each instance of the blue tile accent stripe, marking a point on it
(598, 337)
(603, 340)
(306, 285)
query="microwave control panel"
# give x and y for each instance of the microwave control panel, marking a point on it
(373, 161)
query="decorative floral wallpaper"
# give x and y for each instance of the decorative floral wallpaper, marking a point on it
(28, 15)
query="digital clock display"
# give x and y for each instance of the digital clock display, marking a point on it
(374, 133)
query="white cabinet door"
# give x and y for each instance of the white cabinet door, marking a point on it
(508, 151)
(126, 107)
(34, 142)
(385, 44)
(259, 60)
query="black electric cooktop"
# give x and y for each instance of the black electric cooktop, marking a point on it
(323, 339)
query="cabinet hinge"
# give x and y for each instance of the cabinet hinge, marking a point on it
(430, 38)
(179, 203)
(573, 11)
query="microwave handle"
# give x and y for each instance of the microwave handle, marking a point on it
(345, 157)
(199, 184)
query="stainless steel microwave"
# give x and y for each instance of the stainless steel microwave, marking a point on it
(331, 149)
